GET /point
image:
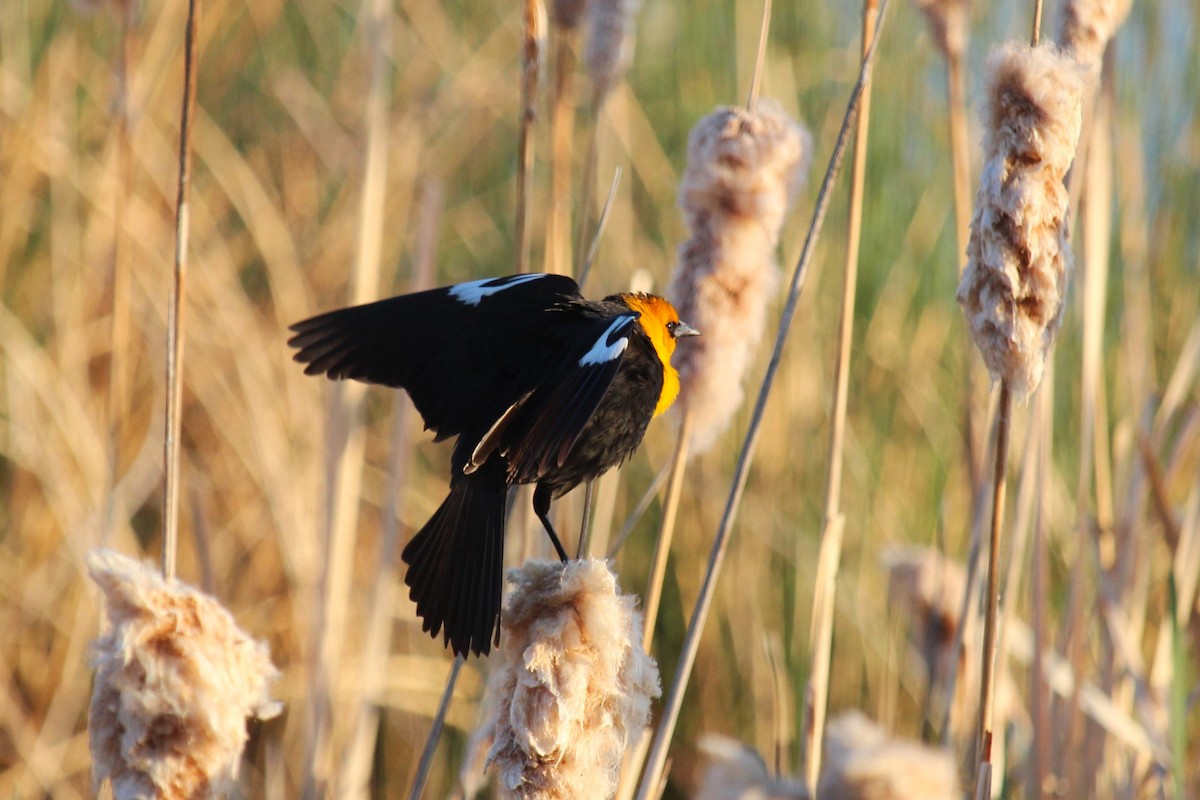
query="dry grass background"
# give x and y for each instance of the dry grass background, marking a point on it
(281, 141)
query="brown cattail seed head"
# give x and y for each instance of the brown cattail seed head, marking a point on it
(573, 685)
(948, 22)
(609, 47)
(567, 13)
(175, 681)
(862, 763)
(1019, 257)
(1084, 28)
(744, 169)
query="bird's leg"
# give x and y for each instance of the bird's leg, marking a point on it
(541, 506)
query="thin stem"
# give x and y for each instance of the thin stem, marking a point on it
(1035, 35)
(589, 177)
(960, 150)
(562, 125)
(175, 307)
(666, 529)
(585, 529)
(601, 224)
(529, 86)
(829, 559)
(760, 56)
(999, 487)
(670, 715)
(639, 511)
(435, 732)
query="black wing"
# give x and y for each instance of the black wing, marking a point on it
(544, 425)
(460, 351)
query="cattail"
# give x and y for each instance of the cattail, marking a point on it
(1084, 28)
(1019, 258)
(737, 772)
(175, 681)
(609, 47)
(928, 589)
(573, 685)
(862, 763)
(744, 169)
(948, 22)
(567, 13)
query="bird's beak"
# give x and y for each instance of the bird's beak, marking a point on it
(682, 329)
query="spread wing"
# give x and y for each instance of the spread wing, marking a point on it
(460, 351)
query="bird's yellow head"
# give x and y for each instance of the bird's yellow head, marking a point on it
(661, 322)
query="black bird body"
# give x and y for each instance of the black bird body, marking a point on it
(538, 384)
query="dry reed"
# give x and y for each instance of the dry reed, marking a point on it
(572, 686)
(176, 680)
(833, 528)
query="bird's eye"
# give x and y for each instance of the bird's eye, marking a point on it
(671, 326)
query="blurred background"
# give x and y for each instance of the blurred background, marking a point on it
(295, 492)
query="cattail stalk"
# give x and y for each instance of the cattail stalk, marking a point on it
(830, 556)
(175, 305)
(417, 790)
(531, 56)
(565, 17)
(948, 24)
(1083, 30)
(1012, 290)
(656, 761)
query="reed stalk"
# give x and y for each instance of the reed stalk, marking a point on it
(175, 307)
(830, 555)
(531, 54)
(421, 775)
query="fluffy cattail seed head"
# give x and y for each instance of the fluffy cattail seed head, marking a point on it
(609, 46)
(1019, 257)
(1084, 28)
(175, 681)
(862, 763)
(572, 686)
(737, 772)
(744, 169)
(948, 22)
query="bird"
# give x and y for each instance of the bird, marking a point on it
(540, 385)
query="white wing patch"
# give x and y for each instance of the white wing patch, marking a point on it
(471, 292)
(603, 351)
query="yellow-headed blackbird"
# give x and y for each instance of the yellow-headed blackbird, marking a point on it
(538, 384)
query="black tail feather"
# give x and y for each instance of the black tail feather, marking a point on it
(456, 562)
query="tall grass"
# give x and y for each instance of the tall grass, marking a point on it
(278, 221)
